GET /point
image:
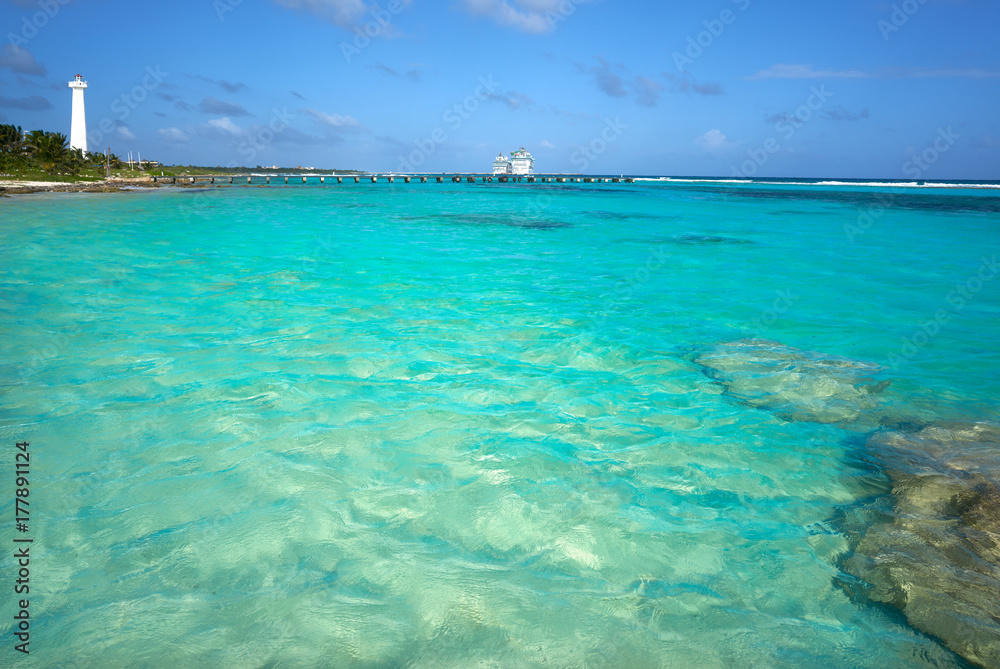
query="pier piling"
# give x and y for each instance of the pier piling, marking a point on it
(472, 178)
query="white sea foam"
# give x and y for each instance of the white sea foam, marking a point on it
(710, 181)
(892, 184)
(951, 185)
(832, 182)
(865, 184)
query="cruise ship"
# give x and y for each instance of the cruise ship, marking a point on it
(522, 162)
(519, 163)
(502, 165)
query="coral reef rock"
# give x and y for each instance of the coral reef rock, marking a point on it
(797, 385)
(933, 551)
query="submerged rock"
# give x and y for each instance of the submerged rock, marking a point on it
(527, 221)
(699, 240)
(932, 547)
(797, 385)
(933, 551)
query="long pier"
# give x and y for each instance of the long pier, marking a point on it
(282, 179)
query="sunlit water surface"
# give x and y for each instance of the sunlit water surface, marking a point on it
(454, 426)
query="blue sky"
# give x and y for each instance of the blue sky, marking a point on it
(854, 88)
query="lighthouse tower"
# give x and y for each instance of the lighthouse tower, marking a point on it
(78, 131)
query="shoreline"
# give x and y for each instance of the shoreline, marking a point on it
(15, 186)
(10, 187)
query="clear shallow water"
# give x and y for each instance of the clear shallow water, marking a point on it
(452, 425)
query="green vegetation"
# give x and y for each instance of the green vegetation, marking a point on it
(196, 170)
(46, 156)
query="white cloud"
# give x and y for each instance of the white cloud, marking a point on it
(332, 120)
(125, 132)
(512, 99)
(807, 72)
(530, 16)
(687, 84)
(351, 13)
(344, 13)
(546, 144)
(225, 124)
(961, 73)
(172, 135)
(714, 141)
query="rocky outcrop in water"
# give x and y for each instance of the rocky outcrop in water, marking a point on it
(931, 548)
(797, 385)
(933, 551)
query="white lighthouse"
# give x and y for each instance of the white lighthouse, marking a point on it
(78, 131)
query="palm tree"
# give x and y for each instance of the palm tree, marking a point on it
(77, 159)
(51, 149)
(11, 138)
(31, 143)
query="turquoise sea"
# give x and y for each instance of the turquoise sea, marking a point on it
(485, 425)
